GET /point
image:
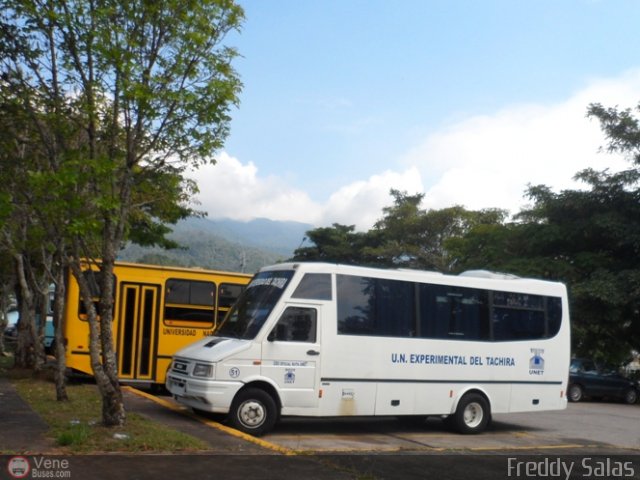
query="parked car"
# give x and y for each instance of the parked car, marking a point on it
(13, 317)
(588, 379)
(11, 330)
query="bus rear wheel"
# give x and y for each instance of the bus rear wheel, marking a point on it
(253, 411)
(472, 415)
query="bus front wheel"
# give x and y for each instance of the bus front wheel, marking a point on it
(253, 411)
(472, 415)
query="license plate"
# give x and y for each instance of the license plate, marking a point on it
(177, 387)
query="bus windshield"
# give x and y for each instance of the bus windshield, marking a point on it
(249, 313)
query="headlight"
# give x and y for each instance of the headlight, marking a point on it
(202, 370)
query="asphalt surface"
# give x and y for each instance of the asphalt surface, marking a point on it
(21, 429)
(231, 455)
(24, 434)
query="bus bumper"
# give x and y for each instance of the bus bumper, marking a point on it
(207, 395)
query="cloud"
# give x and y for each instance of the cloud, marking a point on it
(487, 161)
(484, 161)
(230, 189)
(234, 190)
(361, 203)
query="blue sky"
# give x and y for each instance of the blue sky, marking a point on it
(464, 101)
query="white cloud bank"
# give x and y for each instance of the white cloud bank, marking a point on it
(231, 189)
(487, 161)
(480, 162)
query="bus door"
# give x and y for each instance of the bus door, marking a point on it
(138, 330)
(291, 356)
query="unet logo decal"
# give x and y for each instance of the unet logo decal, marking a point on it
(536, 363)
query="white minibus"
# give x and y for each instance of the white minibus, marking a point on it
(326, 340)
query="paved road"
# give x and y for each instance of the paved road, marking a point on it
(591, 465)
(589, 440)
(582, 425)
(594, 422)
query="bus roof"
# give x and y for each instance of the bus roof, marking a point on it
(472, 278)
(170, 268)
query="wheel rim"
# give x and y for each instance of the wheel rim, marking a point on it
(473, 415)
(252, 414)
(575, 393)
(631, 397)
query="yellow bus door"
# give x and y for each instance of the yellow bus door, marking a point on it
(138, 331)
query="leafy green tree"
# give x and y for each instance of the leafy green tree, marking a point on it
(415, 238)
(124, 98)
(22, 241)
(580, 238)
(589, 239)
(406, 236)
(337, 244)
(7, 298)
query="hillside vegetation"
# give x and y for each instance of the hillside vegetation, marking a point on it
(224, 245)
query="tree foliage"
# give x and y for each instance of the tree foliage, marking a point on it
(412, 237)
(338, 243)
(407, 236)
(109, 104)
(587, 238)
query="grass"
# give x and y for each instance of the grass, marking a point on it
(75, 426)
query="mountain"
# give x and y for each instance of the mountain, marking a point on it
(272, 235)
(224, 244)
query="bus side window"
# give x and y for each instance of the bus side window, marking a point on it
(189, 303)
(228, 293)
(314, 286)
(93, 278)
(296, 324)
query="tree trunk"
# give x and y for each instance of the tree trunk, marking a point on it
(113, 412)
(59, 347)
(42, 300)
(25, 356)
(101, 351)
(4, 308)
(3, 326)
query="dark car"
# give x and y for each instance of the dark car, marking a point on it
(588, 379)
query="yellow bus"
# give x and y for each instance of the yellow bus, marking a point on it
(157, 311)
